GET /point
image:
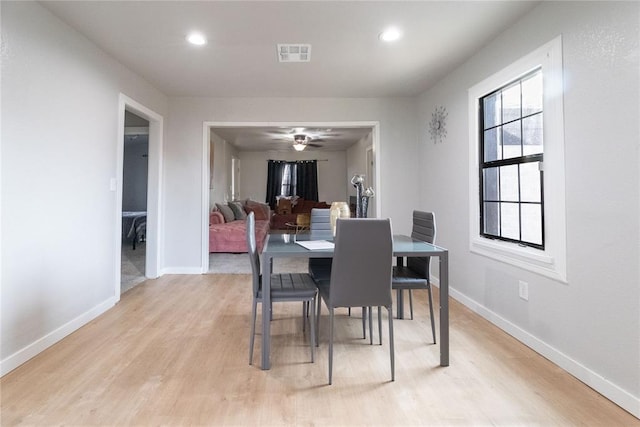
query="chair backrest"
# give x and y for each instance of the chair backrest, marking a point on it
(252, 250)
(320, 219)
(424, 228)
(362, 263)
(303, 219)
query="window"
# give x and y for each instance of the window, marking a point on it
(288, 187)
(298, 178)
(511, 154)
(516, 164)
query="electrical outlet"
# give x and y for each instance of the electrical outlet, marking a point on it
(523, 290)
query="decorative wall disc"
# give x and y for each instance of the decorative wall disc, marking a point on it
(438, 124)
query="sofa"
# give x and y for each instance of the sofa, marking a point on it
(300, 206)
(227, 231)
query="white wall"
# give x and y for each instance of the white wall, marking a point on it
(590, 326)
(222, 153)
(332, 184)
(183, 154)
(59, 148)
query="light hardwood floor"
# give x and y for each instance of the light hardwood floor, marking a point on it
(174, 351)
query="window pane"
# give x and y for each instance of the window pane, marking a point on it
(511, 103)
(492, 147)
(513, 129)
(532, 223)
(511, 140)
(509, 183)
(491, 107)
(530, 182)
(532, 94)
(286, 181)
(492, 218)
(510, 220)
(532, 134)
(490, 183)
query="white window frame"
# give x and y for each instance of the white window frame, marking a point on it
(552, 261)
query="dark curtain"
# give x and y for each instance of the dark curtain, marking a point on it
(303, 179)
(307, 179)
(274, 181)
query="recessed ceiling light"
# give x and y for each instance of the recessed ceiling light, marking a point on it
(197, 39)
(392, 34)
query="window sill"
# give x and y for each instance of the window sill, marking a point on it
(537, 261)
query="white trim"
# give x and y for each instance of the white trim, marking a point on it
(207, 125)
(33, 349)
(594, 380)
(154, 187)
(552, 261)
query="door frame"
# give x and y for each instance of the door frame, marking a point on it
(370, 172)
(206, 164)
(154, 188)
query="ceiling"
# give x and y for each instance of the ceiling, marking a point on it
(240, 60)
(268, 138)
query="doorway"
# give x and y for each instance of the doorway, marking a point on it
(142, 195)
(211, 186)
(134, 201)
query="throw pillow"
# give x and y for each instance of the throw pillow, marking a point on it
(260, 210)
(257, 212)
(226, 212)
(238, 210)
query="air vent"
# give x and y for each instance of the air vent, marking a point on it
(294, 52)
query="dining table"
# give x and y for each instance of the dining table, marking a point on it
(281, 245)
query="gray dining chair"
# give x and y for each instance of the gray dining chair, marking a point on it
(415, 274)
(360, 274)
(320, 268)
(285, 287)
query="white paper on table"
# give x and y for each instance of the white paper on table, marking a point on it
(316, 244)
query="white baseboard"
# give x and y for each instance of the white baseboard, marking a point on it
(21, 356)
(617, 395)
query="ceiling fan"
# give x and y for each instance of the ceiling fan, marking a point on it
(302, 141)
(301, 137)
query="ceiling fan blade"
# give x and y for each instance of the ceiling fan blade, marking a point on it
(314, 145)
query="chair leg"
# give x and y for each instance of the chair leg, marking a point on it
(411, 303)
(364, 322)
(330, 345)
(253, 330)
(318, 320)
(370, 326)
(391, 343)
(380, 324)
(312, 326)
(305, 314)
(433, 323)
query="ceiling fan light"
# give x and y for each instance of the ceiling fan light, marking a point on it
(300, 138)
(299, 146)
